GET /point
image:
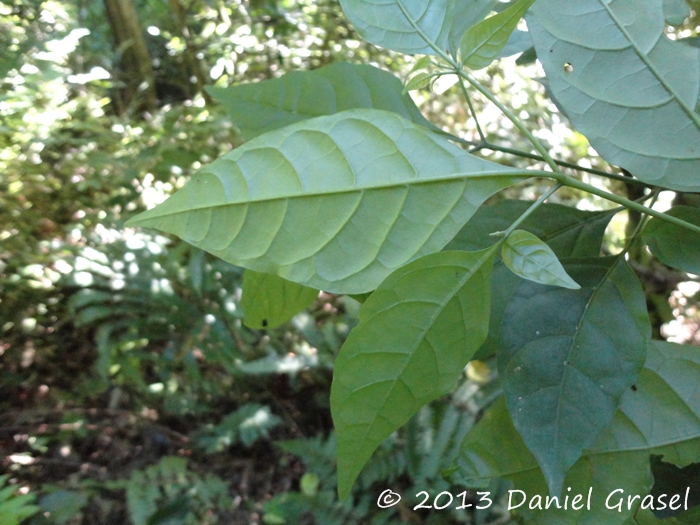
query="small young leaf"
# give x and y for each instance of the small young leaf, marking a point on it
(419, 81)
(559, 347)
(482, 44)
(570, 232)
(417, 332)
(674, 245)
(530, 258)
(269, 301)
(422, 63)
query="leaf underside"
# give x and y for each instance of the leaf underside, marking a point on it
(674, 245)
(659, 415)
(416, 333)
(269, 301)
(623, 84)
(260, 107)
(586, 344)
(392, 23)
(334, 203)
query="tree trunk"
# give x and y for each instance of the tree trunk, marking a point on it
(136, 67)
(193, 64)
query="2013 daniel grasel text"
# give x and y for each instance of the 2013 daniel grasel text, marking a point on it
(615, 500)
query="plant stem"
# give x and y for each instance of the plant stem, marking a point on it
(532, 208)
(573, 183)
(473, 112)
(556, 172)
(563, 163)
(632, 238)
(475, 84)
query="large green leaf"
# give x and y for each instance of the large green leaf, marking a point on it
(408, 26)
(586, 344)
(659, 415)
(335, 203)
(530, 258)
(568, 231)
(483, 43)
(269, 301)
(416, 333)
(628, 88)
(263, 106)
(674, 245)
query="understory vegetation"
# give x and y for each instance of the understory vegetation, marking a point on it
(220, 358)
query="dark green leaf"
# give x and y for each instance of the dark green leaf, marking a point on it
(586, 344)
(62, 505)
(671, 479)
(660, 415)
(416, 333)
(269, 301)
(172, 513)
(673, 245)
(568, 231)
(271, 104)
(519, 42)
(335, 203)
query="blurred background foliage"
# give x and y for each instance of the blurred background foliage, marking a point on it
(130, 390)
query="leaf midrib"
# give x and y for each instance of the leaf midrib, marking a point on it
(415, 182)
